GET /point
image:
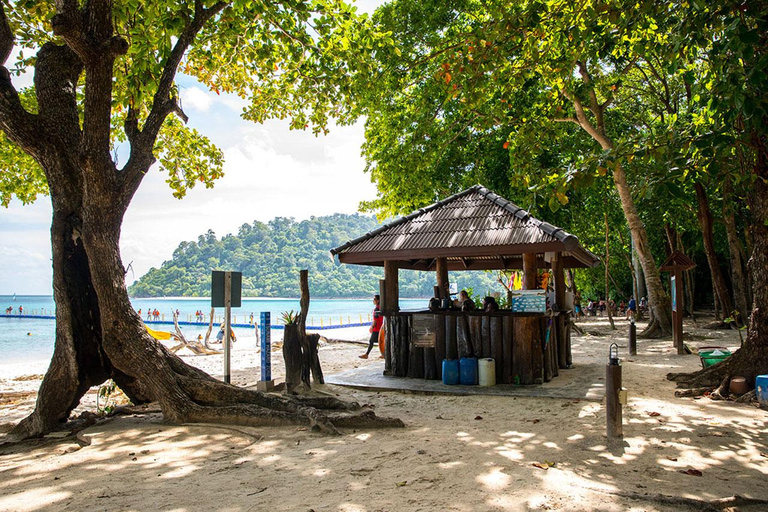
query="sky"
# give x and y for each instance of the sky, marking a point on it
(269, 171)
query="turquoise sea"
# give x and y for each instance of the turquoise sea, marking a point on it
(25, 340)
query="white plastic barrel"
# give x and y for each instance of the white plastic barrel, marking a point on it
(486, 372)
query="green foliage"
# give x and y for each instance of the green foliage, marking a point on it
(106, 398)
(288, 60)
(271, 255)
(289, 317)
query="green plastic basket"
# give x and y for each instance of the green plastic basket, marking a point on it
(709, 359)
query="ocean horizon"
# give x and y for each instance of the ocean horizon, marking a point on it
(29, 341)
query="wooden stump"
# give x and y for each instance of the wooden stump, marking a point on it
(293, 358)
(317, 371)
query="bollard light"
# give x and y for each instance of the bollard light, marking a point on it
(613, 355)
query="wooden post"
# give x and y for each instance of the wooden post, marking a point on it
(228, 311)
(441, 268)
(560, 345)
(439, 345)
(383, 295)
(527, 358)
(390, 283)
(497, 347)
(678, 310)
(613, 423)
(508, 342)
(451, 346)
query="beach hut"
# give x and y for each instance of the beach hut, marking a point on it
(474, 230)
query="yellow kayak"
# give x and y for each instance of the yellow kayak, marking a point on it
(158, 335)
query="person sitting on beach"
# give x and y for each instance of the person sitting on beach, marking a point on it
(490, 304)
(378, 320)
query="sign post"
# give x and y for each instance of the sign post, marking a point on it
(265, 382)
(226, 290)
(676, 264)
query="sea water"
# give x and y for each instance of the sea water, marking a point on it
(25, 340)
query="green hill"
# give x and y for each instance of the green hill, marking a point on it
(271, 255)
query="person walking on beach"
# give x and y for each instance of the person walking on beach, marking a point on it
(378, 319)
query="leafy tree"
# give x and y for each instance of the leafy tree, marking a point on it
(475, 70)
(104, 73)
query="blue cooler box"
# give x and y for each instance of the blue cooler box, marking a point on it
(761, 389)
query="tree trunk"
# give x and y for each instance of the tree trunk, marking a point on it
(740, 294)
(100, 336)
(658, 301)
(718, 280)
(752, 358)
(607, 259)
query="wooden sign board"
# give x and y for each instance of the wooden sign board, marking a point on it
(423, 331)
(529, 301)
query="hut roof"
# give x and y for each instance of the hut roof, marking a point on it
(474, 229)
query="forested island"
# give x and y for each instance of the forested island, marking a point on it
(270, 256)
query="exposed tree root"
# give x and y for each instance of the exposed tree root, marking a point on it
(682, 393)
(652, 331)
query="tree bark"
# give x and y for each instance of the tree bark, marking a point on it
(607, 259)
(704, 215)
(658, 301)
(98, 333)
(752, 358)
(740, 294)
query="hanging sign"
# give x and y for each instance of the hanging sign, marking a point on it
(529, 301)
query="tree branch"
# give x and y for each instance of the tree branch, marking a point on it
(6, 36)
(19, 125)
(163, 104)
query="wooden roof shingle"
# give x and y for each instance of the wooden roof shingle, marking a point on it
(474, 229)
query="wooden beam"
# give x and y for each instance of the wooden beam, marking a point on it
(390, 282)
(529, 271)
(465, 262)
(442, 277)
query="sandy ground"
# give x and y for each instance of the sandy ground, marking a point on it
(456, 453)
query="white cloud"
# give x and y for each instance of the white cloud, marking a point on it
(196, 98)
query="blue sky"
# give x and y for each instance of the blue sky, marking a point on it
(269, 171)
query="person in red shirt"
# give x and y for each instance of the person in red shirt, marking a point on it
(378, 319)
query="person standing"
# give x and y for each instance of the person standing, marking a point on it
(631, 309)
(378, 319)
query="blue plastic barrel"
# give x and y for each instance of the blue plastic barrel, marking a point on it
(761, 389)
(468, 371)
(450, 372)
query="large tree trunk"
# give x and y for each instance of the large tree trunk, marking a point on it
(109, 339)
(704, 215)
(740, 294)
(752, 358)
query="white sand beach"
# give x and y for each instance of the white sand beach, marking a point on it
(455, 453)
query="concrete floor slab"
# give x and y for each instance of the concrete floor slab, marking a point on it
(583, 382)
